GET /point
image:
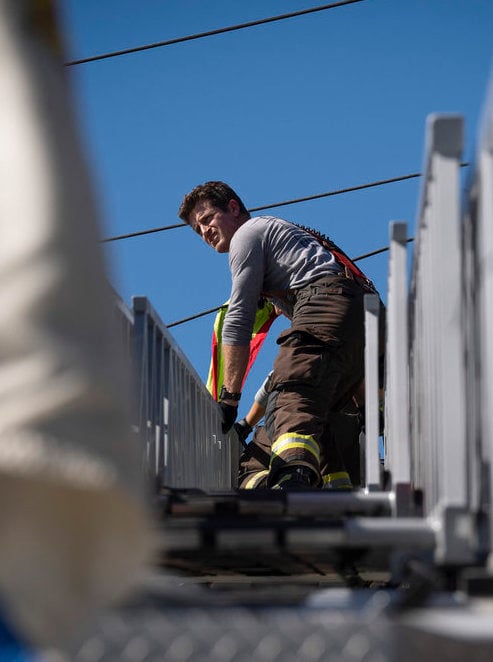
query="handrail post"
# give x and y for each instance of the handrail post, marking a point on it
(372, 458)
(397, 396)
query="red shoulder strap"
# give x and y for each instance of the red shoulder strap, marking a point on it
(341, 257)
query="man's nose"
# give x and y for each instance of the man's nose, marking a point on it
(206, 233)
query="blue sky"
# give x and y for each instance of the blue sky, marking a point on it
(284, 110)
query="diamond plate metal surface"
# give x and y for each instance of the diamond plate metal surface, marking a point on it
(362, 625)
(239, 634)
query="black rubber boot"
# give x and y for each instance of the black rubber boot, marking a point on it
(295, 478)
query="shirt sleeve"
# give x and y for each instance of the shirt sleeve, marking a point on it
(246, 262)
(262, 395)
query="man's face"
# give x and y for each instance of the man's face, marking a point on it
(215, 226)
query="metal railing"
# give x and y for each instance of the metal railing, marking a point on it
(478, 295)
(176, 418)
(438, 437)
(426, 440)
(439, 378)
(437, 365)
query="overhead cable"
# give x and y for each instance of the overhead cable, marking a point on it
(377, 251)
(194, 317)
(340, 191)
(141, 232)
(210, 33)
(213, 310)
(350, 189)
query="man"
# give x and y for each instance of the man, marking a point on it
(321, 356)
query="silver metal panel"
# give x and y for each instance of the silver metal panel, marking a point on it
(372, 459)
(484, 211)
(397, 459)
(437, 341)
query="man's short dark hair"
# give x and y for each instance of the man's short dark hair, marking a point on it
(218, 193)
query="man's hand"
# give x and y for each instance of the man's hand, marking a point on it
(243, 429)
(229, 414)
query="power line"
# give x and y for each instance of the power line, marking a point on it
(213, 310)
(340, 191)
(141, 232)
(377, 251)
(350, 189)
(194, 317)
(210, 33)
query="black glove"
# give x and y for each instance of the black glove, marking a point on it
(229, 414)
(243, 429)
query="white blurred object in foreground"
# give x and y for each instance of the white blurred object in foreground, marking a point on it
(74, 523)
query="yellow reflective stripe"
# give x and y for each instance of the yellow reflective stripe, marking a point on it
(282, 480)
(219, 366)
(262, 316)
(255, 480)
(338, 477)
(292, 441)
(335, 476)
(296, 445)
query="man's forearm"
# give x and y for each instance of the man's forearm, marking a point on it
(235, 365)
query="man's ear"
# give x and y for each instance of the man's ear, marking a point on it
(234, 207)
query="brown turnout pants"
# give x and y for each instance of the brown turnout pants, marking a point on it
(319, 365)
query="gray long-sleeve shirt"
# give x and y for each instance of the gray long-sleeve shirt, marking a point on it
(268, 256)
(262, 395)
